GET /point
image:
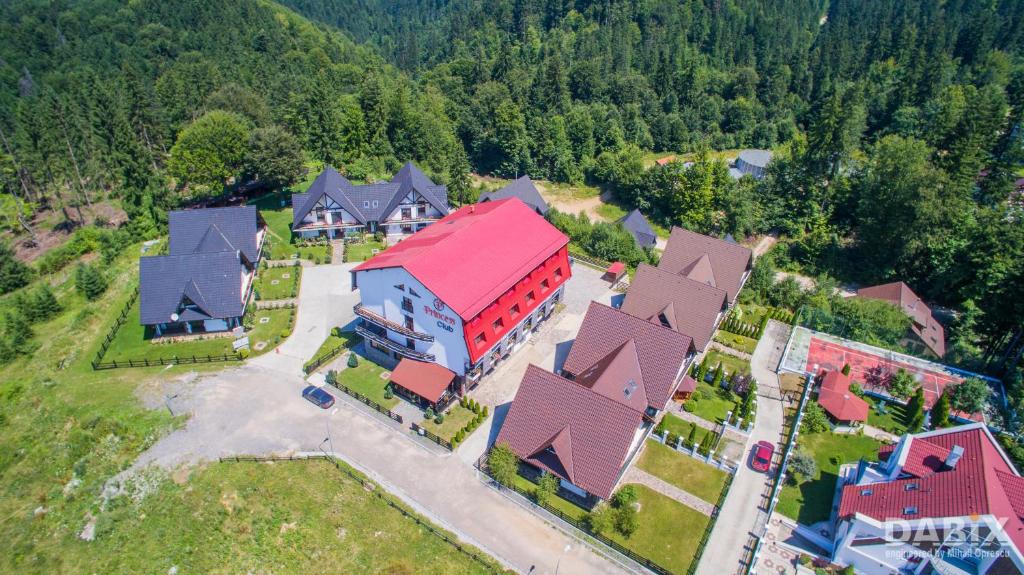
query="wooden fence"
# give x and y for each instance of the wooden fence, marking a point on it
(371, 487)
(432, 437)
(366, 401)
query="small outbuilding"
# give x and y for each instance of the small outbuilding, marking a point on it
(615, 272)
(839, 402)
(425, 384)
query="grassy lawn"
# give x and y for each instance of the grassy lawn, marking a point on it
(279, 226)
(681, 428)
(611, 212)
(361, 252)
(730, 363)
(683, 471)
(365, 378)
(347, 338)
(892, 420)
(456, 418)
(258, 517)
(710, 403)
(134, 341)
(271, 283)
(565, 506)
(811, 501)
(669, 531)
(737, 342)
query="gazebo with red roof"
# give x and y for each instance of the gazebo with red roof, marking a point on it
(839, 402)
(425, 384)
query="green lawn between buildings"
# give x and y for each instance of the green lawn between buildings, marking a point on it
(711, 404)
(683, 471)
(893, 419)
(279, 226)
(366, 379)
(362, 252)
(133, 341)
(456, 418)
(737, 342)
(680, 428)
(284, 288)
(347, 338)
(811, 501)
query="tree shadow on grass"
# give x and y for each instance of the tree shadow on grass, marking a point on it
(817, 498)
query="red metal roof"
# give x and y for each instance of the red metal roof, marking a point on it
(473, 255)
(837, 399)
(709, 260)
(570, 430)
(690, 307)
(924, 324)
(616, 268)
(983, 482)
(425, 379)
(659, 351)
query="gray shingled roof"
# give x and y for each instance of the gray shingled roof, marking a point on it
(636, 224)
(523, 189)
(354, 198)
(214, 230)
(213, 281)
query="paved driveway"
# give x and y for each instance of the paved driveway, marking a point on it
(740, 513)
(255, 409)
(325, 301)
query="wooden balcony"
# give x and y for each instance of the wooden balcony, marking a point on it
(393, 345)
(383, 322)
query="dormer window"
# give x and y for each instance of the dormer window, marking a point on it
(910, 487)
(866, 492)
(366, 203)
(375, 203)
(911, 510)
(630, 388)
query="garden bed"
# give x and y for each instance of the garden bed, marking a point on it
(737, 342)
(281, 282)
(710, 403)
(455, 418)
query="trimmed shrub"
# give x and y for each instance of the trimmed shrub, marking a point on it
(429, 414)
(353, 361)
(439, 419)
(331, 377)
(846, 369)
(243, 353)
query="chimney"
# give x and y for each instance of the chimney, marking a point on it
(953, 458)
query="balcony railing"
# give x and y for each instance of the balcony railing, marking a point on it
(388, 324)
(393, 345)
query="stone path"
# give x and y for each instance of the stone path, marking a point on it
(337, 251)
(276, 303)
(637, 475)
(729, 351)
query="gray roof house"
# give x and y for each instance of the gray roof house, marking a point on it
(751, 162)
(523, 189)
(203, 283)
(636, 224)
(334, 206)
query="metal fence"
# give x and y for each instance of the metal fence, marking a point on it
(432, 437)
(583, 526)
(367, 401)
(371, 487)
(112, 333)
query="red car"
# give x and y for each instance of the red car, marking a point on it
(761, 456)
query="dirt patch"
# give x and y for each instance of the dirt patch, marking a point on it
(791, 383)
(52, 230)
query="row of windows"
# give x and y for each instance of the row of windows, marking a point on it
(499, 324)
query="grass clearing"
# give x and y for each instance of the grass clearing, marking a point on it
(362, 252)
(564, 505)
(135, 341)
(730, 363)
(669, 531)
(683, 471)
(455, 419)
(366, 379)
(348, 339)
(737, 342)
(893, 419)
(611, 212)
(281, 282)
(811, 501)
(710, 403)
(681, 428)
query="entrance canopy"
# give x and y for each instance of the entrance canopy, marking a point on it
(427, 380)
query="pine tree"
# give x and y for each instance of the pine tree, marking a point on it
(13, 273)
(915, 411)
(940, 412)
(719, 372)
(692, 437)
(89, 281)
(42, 304)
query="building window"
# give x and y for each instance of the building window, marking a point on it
(558, 273)
(413, 292)
(530, 298)
(375, 204)
(366, 204)
(498, 325)
(912, 510)
(479, 340)
(409, 343)
(865, 492)
(544, 285)
(406, 304)
(408, 323)
(513, 311)
(910, 487)
(400, 286)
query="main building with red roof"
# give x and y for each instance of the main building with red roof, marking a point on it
(945, 501)
(465, 291)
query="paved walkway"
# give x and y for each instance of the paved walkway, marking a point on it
(276, 303)
(728, 350)
(637, 475)
(742, 511)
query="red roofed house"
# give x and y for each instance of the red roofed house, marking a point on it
(423, 383)
(587, 426)
(677, 302)
(839, 402)
(464, 292)
(928, 335)
(945, 501)
(718, 263)
(629, 359)
(576, 432)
